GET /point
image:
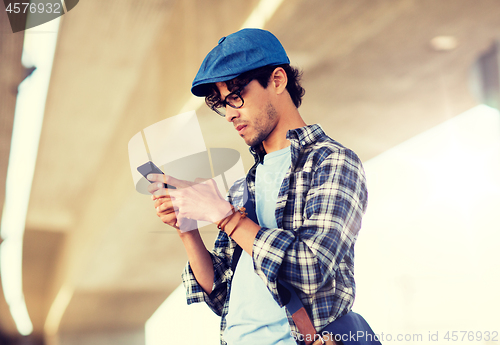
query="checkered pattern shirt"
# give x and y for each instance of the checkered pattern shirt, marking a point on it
(318, 213)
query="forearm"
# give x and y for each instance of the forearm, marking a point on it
(199, 259)
(244, 233)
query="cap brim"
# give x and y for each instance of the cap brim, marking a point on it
(202, 87)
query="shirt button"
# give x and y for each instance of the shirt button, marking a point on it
(222, 40)
(303, 143)
(229, 273)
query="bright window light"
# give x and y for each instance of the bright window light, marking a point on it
(430, 235)
(174, 322)
(38, 50)
(264, 10)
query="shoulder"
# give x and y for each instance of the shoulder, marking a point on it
(314, 147)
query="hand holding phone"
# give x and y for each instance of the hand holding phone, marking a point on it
(150, 168)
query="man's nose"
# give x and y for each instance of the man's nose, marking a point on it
(231, 113)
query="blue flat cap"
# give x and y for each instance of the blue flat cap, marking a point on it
(237, 53)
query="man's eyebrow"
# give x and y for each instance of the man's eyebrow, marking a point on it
(236, 85)
(233, 88)
(223, 97)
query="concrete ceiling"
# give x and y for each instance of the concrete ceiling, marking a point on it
(372, 80)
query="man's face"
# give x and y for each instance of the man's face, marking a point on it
(257, 118)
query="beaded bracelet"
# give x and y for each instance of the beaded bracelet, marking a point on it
(223, 222)
(243, 214)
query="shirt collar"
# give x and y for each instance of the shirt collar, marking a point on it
(299, 138)
(305, 135)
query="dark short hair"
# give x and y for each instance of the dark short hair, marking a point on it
(262, 75)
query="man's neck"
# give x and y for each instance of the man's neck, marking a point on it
(277, 138)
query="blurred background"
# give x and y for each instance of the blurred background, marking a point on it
(412, 86)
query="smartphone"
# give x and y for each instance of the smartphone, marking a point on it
(151, 168)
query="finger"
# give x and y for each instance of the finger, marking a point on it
(200, 180)
(167, 215)
(164, 196)
(166, 208)
(160, 200)
(169, 220)
(156, 178)
(155, 186)
(161, 193)
(176, 182)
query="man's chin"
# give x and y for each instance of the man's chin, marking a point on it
(251, 141)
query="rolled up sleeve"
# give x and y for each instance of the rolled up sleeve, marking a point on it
(328, 203)
(222, 272)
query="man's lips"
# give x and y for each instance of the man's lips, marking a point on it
(240, 128)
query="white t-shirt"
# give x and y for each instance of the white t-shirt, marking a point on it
(254, 317)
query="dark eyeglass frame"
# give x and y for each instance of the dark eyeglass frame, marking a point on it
(224, 103)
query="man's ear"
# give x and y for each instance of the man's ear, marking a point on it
(279, 80)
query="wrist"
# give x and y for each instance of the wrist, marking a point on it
(188, 235)
(224, 209)
(233, 221)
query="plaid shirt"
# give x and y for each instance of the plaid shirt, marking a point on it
(318, 213)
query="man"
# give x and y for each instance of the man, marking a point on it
(308, 190)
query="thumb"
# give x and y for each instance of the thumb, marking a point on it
(156, 178)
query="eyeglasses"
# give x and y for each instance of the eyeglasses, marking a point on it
(234, 100)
